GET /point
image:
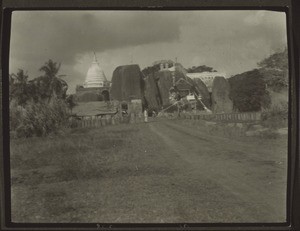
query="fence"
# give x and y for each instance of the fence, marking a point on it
(227, 117)
(100, 121)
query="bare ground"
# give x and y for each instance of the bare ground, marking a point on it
(162, 171)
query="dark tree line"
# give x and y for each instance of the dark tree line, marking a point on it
(199, 69)
(250, 90)
(275, 71)
(39, 106)
(43, 89)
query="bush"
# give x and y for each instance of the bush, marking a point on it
(248, 92)
(38, 119)
(276, 116)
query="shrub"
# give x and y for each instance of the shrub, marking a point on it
(38, 119)
(276, 116)
(248, 91)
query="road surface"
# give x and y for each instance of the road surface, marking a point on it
(250, 178)
(164, 171)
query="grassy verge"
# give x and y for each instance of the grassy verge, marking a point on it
(233, 130)
(55, 178)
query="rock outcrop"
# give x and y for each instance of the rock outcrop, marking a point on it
(221, 102)
(164, 83)
(127, 83)
(158, 84)
(202, 89)
(152, 95)
(153, 87)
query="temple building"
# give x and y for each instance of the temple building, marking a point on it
(96, 87)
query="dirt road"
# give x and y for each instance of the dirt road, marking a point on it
(250, 177)
(161, 171)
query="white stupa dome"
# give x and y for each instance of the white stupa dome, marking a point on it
(95, 76)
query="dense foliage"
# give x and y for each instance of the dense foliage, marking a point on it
(248, 91)
(37, 119)
(275, 71)
(19, 89)
(38, 106)
(277, 61)
(200, 69)
(150, 70)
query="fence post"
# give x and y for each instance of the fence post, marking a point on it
(103, 122)
(113, 120)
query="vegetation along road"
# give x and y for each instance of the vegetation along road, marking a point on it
(161, 171)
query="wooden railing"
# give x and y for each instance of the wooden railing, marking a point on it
(227, 117)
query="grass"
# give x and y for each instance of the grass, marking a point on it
(130, 173)
(50, 167)
(83, 153)
(237, 130)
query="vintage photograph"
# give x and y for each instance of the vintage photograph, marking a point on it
(148, 116)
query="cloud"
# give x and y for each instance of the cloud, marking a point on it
(63, 35)
(230, 41)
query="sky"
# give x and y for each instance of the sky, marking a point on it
(231, 42)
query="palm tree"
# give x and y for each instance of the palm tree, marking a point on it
(50, 68)
(18, 86)
(56, 85)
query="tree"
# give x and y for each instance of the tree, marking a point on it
(200, 69)
(18, 87)
(278, 61)
(275, 71)
(150, 70)
(56, 86)
(248, 91)
(70, 101)
(51, 69)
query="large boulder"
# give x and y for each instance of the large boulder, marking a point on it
(158, 85)
(127, 83)
(165, 82)
(202, 89)
(152, 95)
(221, 102)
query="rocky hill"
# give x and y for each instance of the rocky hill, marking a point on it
(152, 85)
(158, 84)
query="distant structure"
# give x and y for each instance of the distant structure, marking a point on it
(96, 87)
(206, 77)
(165, 65)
